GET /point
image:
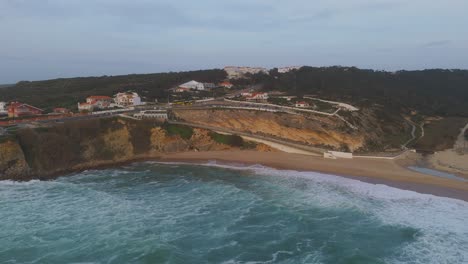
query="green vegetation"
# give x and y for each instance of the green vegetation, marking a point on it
(67, 92)
(441, 134)
(231, 140)
(62, 145)
(184, 132)
(431, 92)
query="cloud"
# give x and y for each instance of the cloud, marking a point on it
(436, 43)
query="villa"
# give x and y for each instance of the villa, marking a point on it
(95, 102)
(17, 109)
(127, 99)
(3, 110)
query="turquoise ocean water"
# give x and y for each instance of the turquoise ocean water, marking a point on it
(181, 213)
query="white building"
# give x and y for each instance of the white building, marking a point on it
(127, 99)
(3, 108)
(193, 85)
(152, 114)
(288, 69)
(85, 107)
(302, 104)
(235, 72)
(258, 96)
(337, 154)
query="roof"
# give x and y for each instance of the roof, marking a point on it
(301, 102)
(18, 104)
(258, 93)
(191, 83)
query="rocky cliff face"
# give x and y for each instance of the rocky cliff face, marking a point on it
(318, 130)
(45, 152)
(313, 130)
(12, 161)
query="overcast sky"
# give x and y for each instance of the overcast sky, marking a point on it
(41, 39)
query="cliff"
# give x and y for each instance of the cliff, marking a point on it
(375, 131)
(45, 152)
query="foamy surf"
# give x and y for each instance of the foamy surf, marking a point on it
(186, 213)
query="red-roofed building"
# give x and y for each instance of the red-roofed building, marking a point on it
(17, 109)
(258, 96)
(98, 98)
(302, 104)
(226, 85)
(95, 102)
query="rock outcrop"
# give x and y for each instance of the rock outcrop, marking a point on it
(46, 152)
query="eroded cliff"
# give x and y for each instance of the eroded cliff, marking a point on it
(48, 151)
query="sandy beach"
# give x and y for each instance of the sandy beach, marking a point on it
(386, 172)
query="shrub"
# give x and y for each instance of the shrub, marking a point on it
(231, 140)
(184, 132)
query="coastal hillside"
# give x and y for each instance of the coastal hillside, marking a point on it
(66, 92)
(48, 151)
(373, 130)
(427, 92)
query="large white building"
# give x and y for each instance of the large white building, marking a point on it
(235, 72)
(288, 69)
(194, 85)
(127, 99)
(3, 108)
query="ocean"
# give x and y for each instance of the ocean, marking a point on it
(181, 213)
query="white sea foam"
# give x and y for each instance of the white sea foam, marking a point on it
(441, 221)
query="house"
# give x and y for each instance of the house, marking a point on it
(246, 94)
(181, 90)
(194, 85)
(3, 110)
(60, 110)
(85, 107)
(127, 99)
(302, 104)
(95, 102)
(258, 97)
(99, 99)
(209, 86)
(226, 85)
(17, 109)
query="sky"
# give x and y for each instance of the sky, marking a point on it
(44, 39)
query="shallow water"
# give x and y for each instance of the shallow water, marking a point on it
(437, 173)
(179, 213)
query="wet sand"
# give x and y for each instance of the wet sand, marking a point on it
(386, 172)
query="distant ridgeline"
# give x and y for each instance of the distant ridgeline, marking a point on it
(430, 92)
(5, 85)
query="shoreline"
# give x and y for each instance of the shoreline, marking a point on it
(386, 172)
(393, 173)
